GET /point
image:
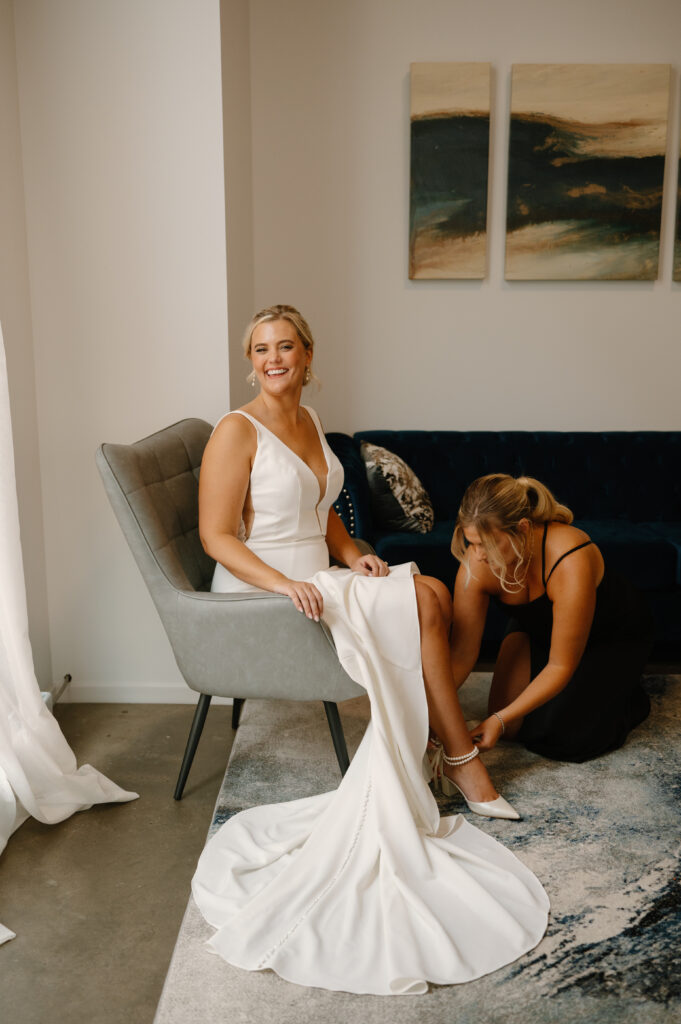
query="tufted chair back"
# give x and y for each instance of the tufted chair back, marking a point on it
(157, 478)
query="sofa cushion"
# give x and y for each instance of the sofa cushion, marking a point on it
(430, 551)
(640, 551)
(398, 499)
(671, 532)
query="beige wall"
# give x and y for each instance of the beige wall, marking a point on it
(330, 100)
(15, 317)
(123, 169)
(236, 115)
(123, 115)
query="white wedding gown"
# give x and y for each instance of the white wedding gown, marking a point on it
(364, 889)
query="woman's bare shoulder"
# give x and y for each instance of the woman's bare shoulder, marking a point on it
(234, 424)
(562, 539)
(563, 536)
(233, 432)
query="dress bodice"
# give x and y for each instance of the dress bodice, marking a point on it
(288, 527)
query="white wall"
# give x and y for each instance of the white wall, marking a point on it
(123, 167)
(15, 317)
(330, 100)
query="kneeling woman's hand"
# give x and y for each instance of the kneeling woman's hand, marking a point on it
(486, 735)
(305, 597)
(370, 565)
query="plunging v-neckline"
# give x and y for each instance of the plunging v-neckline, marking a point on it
(322, 494)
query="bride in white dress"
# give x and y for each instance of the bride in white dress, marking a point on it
(364, 889)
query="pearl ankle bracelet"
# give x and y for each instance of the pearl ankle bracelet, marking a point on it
(464, 759)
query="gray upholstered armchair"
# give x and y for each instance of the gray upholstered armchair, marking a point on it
(226, 645)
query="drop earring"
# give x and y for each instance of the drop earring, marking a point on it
(251, 378)
(307, 376)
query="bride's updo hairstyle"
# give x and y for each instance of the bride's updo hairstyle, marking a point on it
(280, 312)
(500, 502)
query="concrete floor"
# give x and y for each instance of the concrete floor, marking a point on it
(97, 900)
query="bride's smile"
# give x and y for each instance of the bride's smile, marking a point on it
(279, 356)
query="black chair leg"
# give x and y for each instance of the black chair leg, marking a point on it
(192, 742)
(236, 711)
(337, 735)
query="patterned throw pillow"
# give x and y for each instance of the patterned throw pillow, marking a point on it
(399, 500)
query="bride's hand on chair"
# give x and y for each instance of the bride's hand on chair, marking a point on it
(370, 565)
(305, 597)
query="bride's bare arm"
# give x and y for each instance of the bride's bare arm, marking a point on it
(343, 548)
(339, 542)
(223, 487)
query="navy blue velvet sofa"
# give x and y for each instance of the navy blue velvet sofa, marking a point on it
(623, 487)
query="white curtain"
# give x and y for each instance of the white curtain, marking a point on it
(38, 772)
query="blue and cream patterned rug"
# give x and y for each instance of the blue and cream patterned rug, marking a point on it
(604, 838)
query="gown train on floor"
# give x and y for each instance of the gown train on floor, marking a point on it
(366, 889)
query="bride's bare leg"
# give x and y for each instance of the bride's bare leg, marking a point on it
(444, 710)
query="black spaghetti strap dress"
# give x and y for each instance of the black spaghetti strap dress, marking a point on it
(604, 699)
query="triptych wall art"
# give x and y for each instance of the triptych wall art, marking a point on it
(450, 109)
(585, 178)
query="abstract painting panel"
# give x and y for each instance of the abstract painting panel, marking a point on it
(586, 169)
(677, 237)
(450, 118)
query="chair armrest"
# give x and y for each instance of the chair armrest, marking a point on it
(239, 645)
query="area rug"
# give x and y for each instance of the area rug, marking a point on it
(603, 837)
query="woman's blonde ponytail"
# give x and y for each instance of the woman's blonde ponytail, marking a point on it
(542, 507)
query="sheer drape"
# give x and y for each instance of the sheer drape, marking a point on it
(38, 771)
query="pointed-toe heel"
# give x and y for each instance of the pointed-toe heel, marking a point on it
(498, 808)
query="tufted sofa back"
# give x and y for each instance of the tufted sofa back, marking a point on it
(154, 488)
(638, 485)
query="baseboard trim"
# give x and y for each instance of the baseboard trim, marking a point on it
(126, 693)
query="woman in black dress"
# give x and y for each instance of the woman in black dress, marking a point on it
(567, 681)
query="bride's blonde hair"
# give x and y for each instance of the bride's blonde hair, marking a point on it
(280, 312)
(500, 502)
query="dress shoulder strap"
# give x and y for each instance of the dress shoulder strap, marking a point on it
(315, 419)
(543, 556)
(239, 412)
(319, 428)
(584, 544)
(247, 415)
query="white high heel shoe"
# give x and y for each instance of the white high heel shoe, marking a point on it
(437, 759)
(432, 763)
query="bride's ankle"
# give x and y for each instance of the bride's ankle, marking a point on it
(473, 778)
(456, 760)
